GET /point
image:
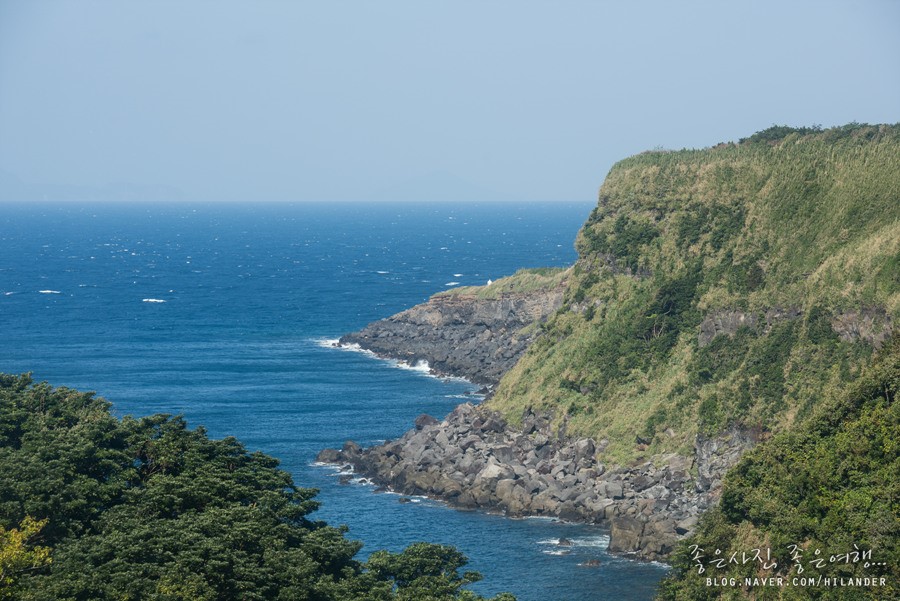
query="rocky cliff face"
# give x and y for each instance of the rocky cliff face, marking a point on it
(716, 294)
(462, 334)
(474, 459)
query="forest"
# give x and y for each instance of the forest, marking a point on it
(93, 508)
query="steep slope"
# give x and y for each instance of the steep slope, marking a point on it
(830, 485)
(718, 297)
(721, 288)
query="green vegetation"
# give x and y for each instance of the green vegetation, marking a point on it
(524, 280)
(781, 234)
(19, 554)
(96, 508)
(832, 484)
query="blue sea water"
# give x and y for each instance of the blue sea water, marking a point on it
(222, 313)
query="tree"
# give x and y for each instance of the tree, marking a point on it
(150, 509)
(18, 554)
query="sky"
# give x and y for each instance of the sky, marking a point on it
(413, 100)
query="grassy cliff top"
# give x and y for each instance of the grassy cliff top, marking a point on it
(802, 211)
(521, 282)
(784, 248)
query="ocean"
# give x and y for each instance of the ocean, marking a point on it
(224, 313)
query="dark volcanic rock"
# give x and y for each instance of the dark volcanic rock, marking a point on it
(424, 420)
(474, 459)
(459, 334)
(329, 456)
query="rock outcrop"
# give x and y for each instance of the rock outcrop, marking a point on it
(475, 459)
(729, 321)
(461, 334)
(871, 325)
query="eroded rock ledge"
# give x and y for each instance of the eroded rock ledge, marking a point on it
(461, 334)
(474, 459)
(869, 325)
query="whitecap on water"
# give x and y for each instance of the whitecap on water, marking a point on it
(452, 284)
(599, 541)
(153, 300)
(49, 291)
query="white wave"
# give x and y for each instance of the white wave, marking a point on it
(420, 366)
(153, 300)
(49, 291)
(327, 342)
(382, 272)
(457, 275)
(352, 347)
(601, 541)
(557, 551)
(8, 293)
(549, 541)
(452, 284)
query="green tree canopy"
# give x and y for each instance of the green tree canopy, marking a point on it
(150, 509)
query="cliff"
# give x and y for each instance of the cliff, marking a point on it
(720, 288)
(719, 295)
(477, 333)
(829, 485)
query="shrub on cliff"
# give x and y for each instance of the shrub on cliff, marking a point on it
(831, 485)
(721, 287)
(94, 508)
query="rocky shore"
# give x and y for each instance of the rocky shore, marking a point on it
(461, 334)
(474, 459)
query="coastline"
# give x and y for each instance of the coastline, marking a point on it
(474, 460)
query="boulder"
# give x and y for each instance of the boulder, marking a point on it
(351, 450)
(424, 420)
(329, 456)
(585, 450)
(625, 534)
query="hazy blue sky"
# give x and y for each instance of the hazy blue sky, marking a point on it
(412, 100)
